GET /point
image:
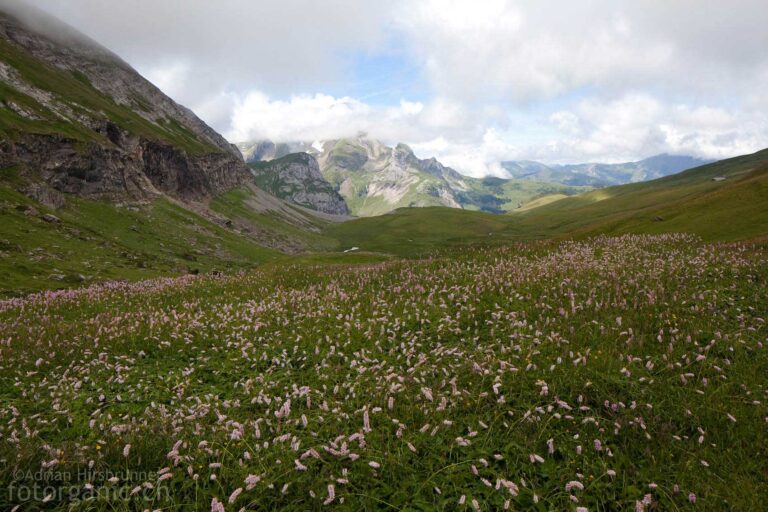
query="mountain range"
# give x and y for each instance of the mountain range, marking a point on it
(602, 175)
(374, 178)
(725, 200)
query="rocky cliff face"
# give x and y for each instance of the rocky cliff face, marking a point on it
(297, 178)
(76, 118)
(137, 169)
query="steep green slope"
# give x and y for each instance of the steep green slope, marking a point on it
(21, 113)
(294, 229)
(102, 176)
(76, 118)
(87, 241)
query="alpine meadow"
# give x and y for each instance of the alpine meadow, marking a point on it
(360, 270)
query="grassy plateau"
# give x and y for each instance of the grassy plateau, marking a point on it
(622, 373)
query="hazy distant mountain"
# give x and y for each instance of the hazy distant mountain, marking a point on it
(266, 150)
(601, 175)
(374, 178)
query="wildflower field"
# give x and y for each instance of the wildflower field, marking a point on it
(624, 373)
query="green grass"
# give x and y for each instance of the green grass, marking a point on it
(304, 231)
(348, 155)
(101, 241)
(496, 195)
(406, 384)
(414, 231)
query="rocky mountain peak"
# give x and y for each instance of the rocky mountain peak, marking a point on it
(403, 155)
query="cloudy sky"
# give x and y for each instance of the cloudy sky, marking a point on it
(472, 82)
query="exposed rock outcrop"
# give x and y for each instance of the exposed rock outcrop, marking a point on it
(375, 179)
(297, 178)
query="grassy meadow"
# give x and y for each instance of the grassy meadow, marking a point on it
(622, 373)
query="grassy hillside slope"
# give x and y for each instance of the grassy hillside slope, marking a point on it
(100, 241)
(22, 113)
(413, 231)
(94, 241)
(732, 209)
(499, 195)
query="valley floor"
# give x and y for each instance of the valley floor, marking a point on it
(620, 373)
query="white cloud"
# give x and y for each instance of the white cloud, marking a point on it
(171, 77)
(532, 50)
(321, 116)
(411, 107)
(527, 51)
(556, 81)
(271, 45)
(476, 160)
(301, 118)
(629, 127)
(637, 125)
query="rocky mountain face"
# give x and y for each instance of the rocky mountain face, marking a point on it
(75, 118)
(375, 179)
(602, 175)
(296, 178)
